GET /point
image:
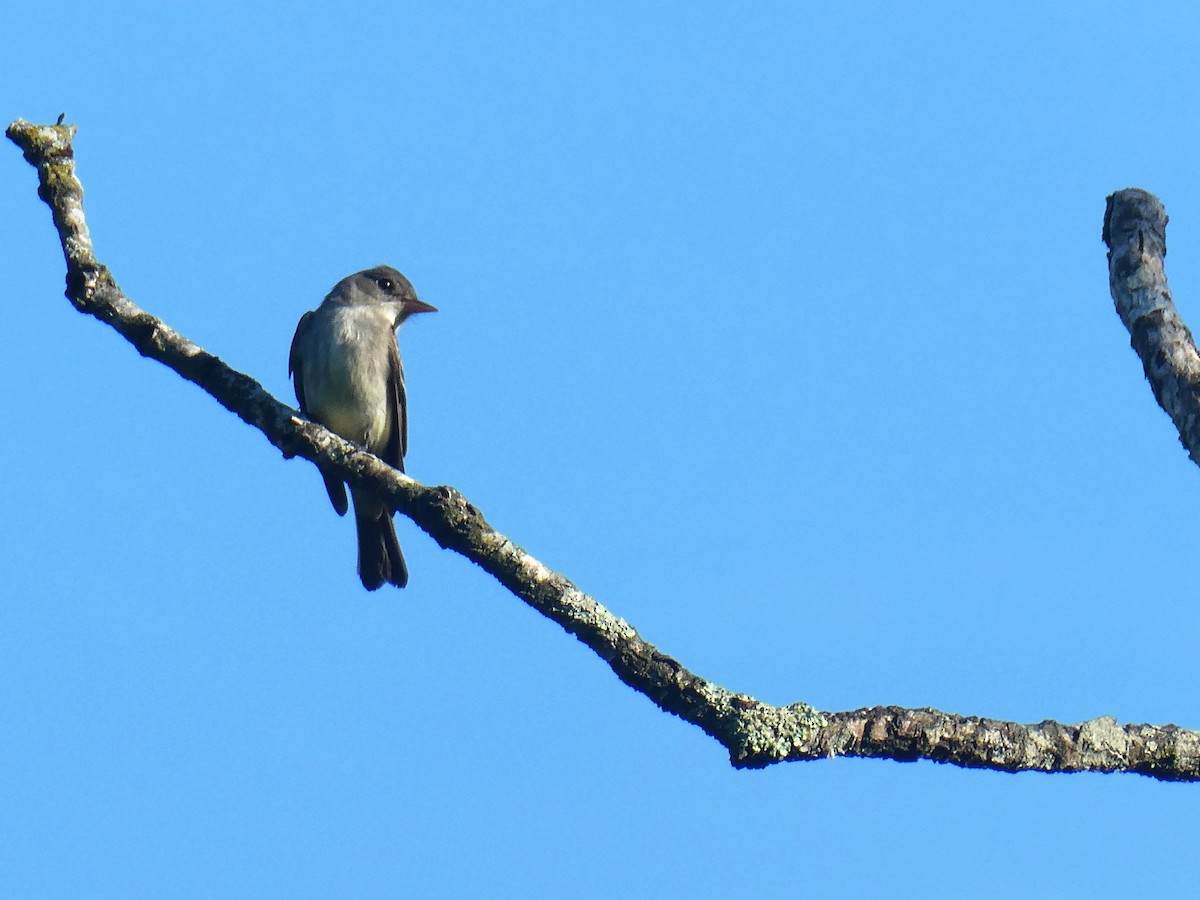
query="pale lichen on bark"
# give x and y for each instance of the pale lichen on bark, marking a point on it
(767, 734)
(755, 734)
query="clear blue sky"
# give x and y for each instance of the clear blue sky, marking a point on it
(782, 330)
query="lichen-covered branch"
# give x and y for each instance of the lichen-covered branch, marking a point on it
(754, 733)
(1135, 230)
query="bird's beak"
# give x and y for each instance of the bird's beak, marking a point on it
(417, 306)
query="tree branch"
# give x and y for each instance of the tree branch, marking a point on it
(754, 733)
(1135, 230)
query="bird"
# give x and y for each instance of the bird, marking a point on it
(345, 366)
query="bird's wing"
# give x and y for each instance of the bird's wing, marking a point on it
(397, 445)
(294, 358)
(334, 486)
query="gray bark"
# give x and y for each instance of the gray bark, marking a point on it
(1135, 230)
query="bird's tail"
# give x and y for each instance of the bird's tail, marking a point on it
(379, 556)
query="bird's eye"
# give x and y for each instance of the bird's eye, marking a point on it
(385, 283)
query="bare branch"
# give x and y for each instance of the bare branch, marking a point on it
(1135, 230)
(754, 733)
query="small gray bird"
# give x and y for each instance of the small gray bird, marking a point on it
(345, 364)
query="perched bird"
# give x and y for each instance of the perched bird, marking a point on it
(345, 364)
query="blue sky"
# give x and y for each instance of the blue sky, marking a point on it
(783, 331)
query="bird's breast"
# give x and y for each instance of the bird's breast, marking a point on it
(346, 380)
